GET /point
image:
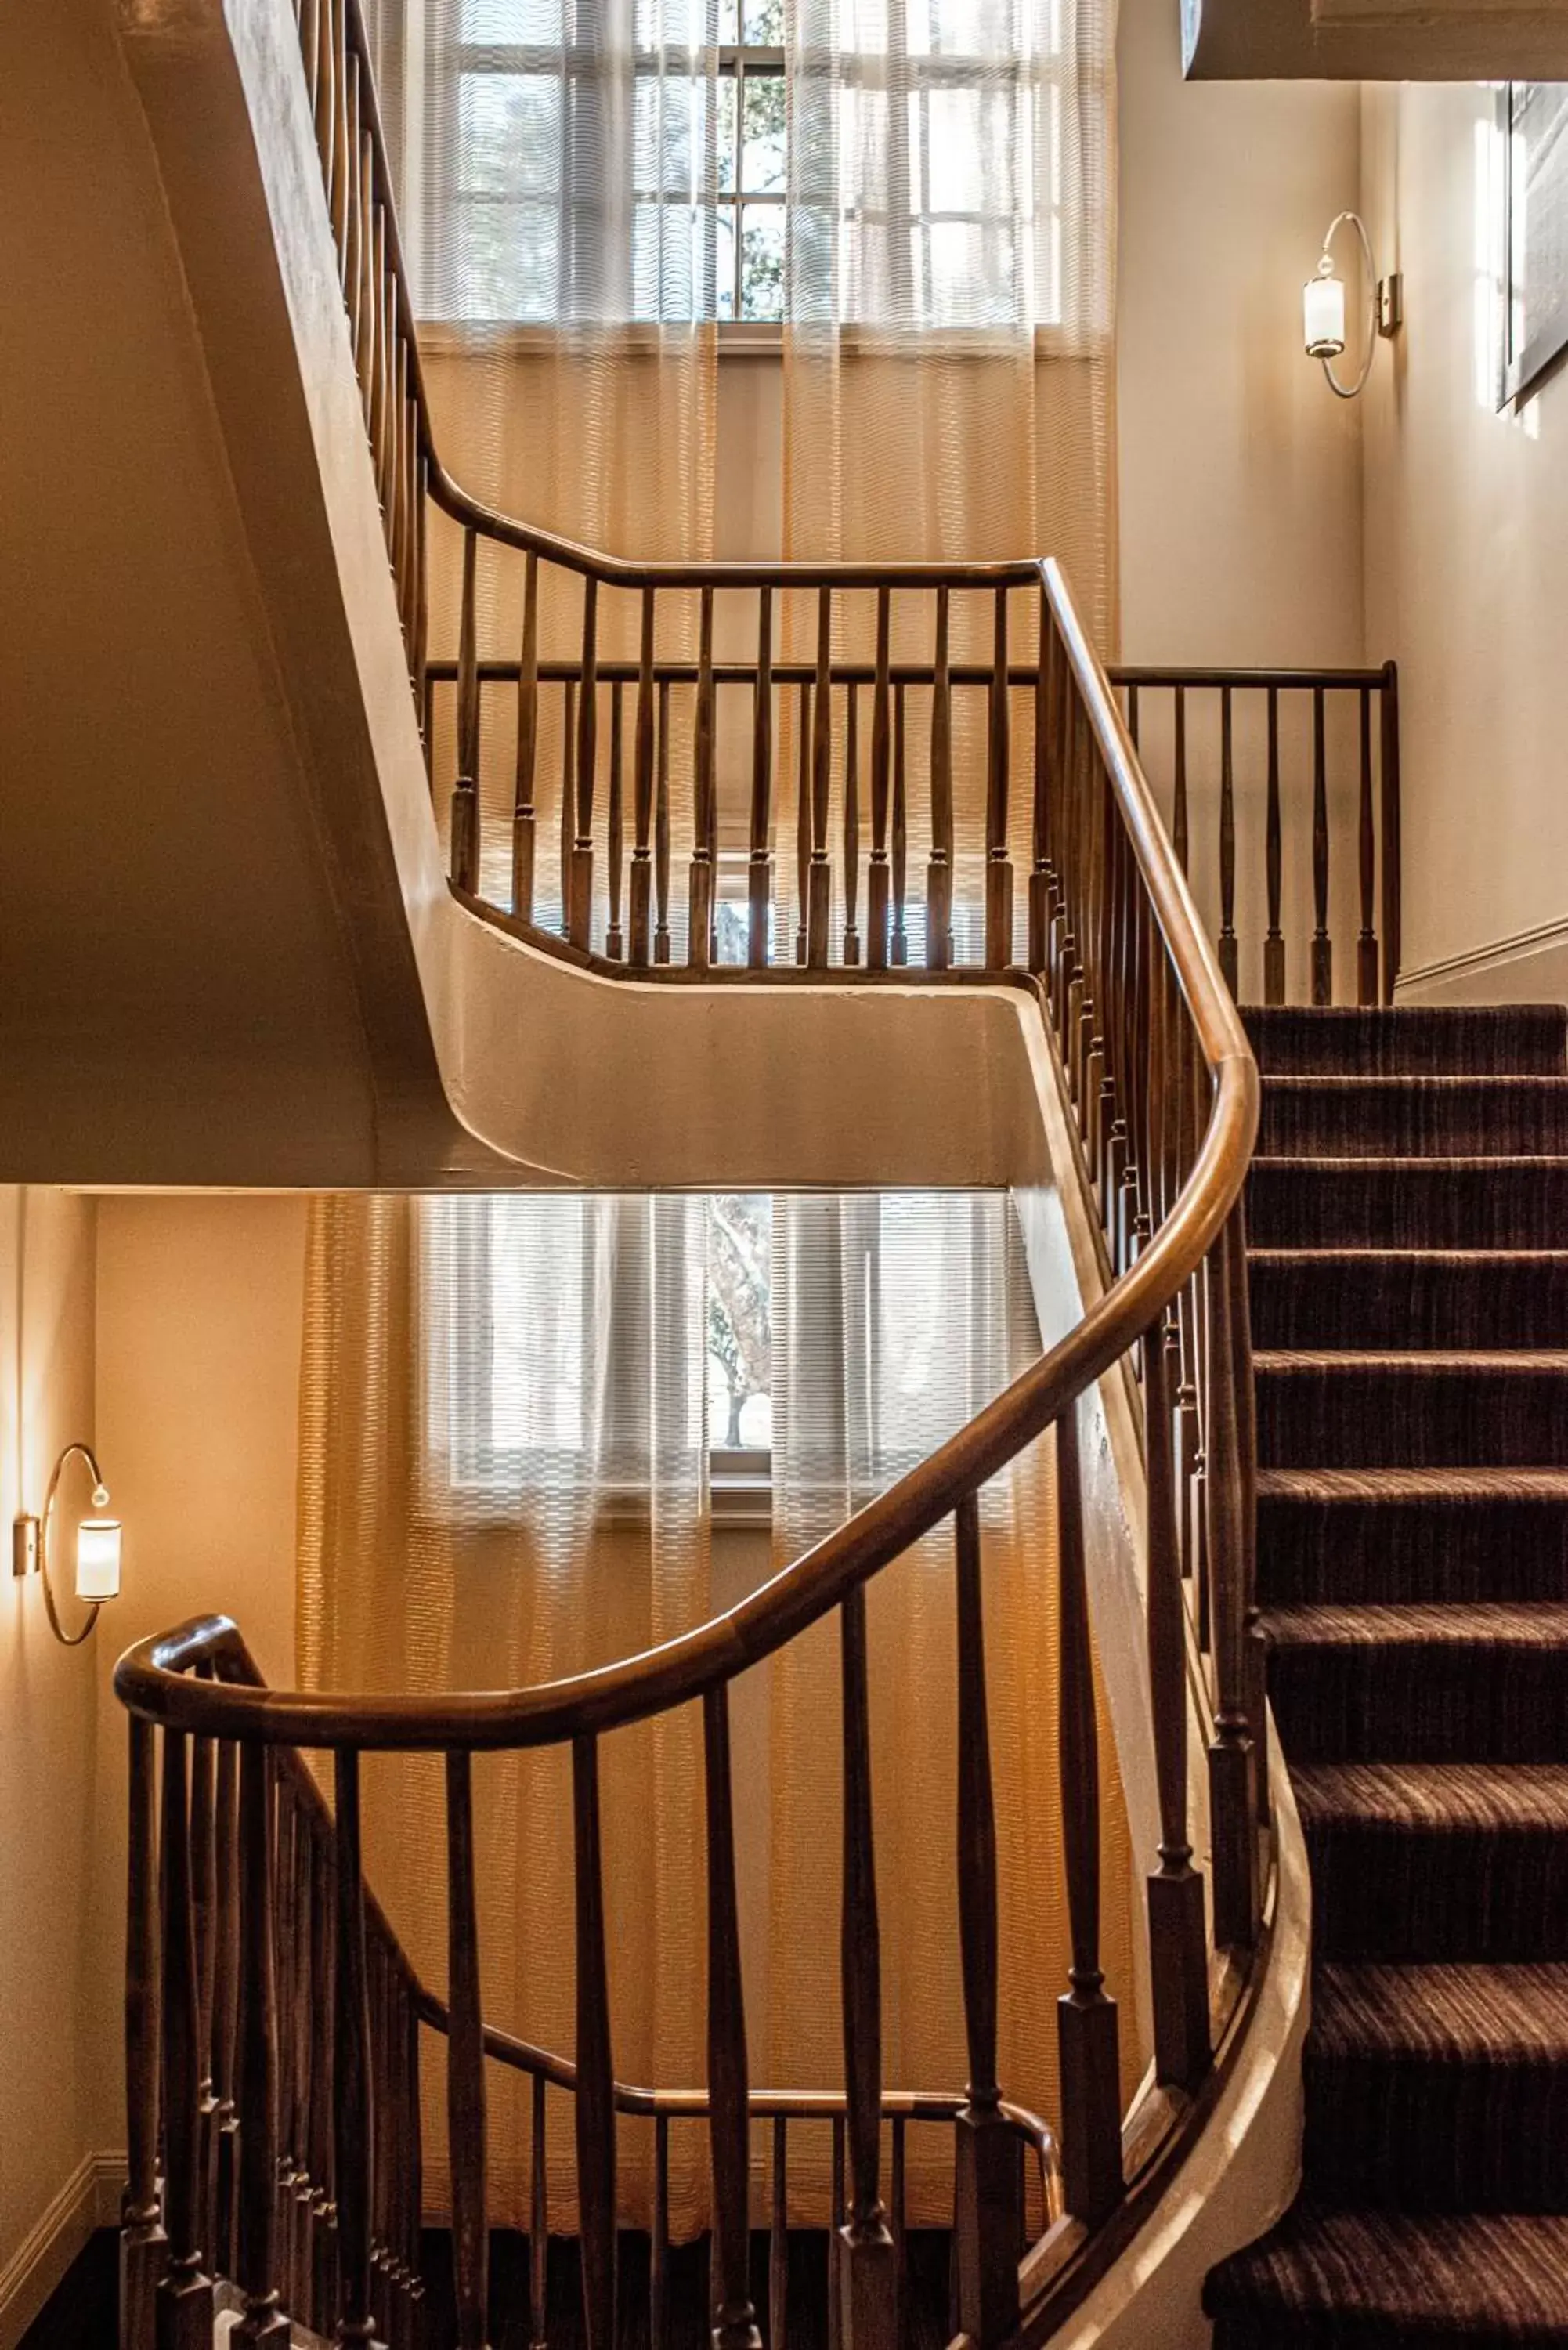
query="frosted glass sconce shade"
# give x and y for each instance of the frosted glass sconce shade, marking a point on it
(98, 1559)
(1322, 305)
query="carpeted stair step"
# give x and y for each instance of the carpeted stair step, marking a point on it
(1414, 1203)
(1420, 1409)
(1483, 1683)
(1435, 1862)
(1415, 1040)
(1408, 1298)
(1439, 2089)
(1369, 1537)
(1330, 2280)
(1407, 1117)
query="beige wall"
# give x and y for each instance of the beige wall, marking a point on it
(51, 1792)
(1467, 570)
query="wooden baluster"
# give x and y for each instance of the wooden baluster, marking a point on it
(1274, 944)
(324, 2078)
(523, 809)
(376, 1993)
(1047, 689)
(579, 923)
(1322, 945)
(464, 844)
(284, 1968)
(661, 834)
(1388, 809)
(204, 1898)
(778, 2240)
(835, 2222)
(1229, 962)
(877, 876)
(615, 943)
(422, 596)
(595, 2073)
(415, 2196)
(328, 51)
(352, 253)
(642, 793)
(700, 943)
(376, 419)
(538, 2223)
(1179, 1962)
(365, 304)
(988, 2185)
(759, 869)
(940, 871)
(184, 2292)
(852, 825)
(819, 893)
(351, 2065)
(299, 2275)
(1232, 1756)
(900, 2235)
(803, 824)
(568, 798)
(1367, 944)
(865, 2247)
(143, 2244)
(658, 2249)
(1179, 817)
(898, 951)
(309, 14)
(225, 2012)
(728, 2108)
(466, 2064)
(1133, 716)
(998, 864)
(1254, 1646)
(1086, 2018)
(256, 2268)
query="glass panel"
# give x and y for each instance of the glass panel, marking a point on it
(740, 1320)
(501, 24)
(764, 23)
(725, 96)
(508, 261)
(763, 162)
(724, 243)
(729, 24)
(509, 134)
(761, 262)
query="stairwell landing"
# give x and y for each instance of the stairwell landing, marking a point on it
(1409, 1261)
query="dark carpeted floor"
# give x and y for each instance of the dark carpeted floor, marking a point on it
(1408, 1256)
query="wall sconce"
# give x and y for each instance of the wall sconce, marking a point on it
(97, 1549)
(1323, 307)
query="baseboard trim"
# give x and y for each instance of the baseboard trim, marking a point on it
(1456, 971)
(88, 2199)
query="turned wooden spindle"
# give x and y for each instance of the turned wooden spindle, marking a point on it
(778, 2239)
(1367, 943)
(1178, 821)
(1388, 810)
(878, 874)
(819, 878)
(940, 871)
(256, 2273)
(523, 812)
(661, 832)
(539, 2221)
(641, 886)
(1086, 2018)
(1273, 943)
(225, 2012)
(465, 2063)
(615, 941)
(998, 864)
(729, 2131)
(1047, 687)
(863, 2249)
(351, 2064)
(1322, 945)
(835, 2222)
(658, 2247)
(568, 828)
(464, 842)
(297, 2266)
(596, 2115)
(1233, 1755)
(203, 1927)
(351, 251)
(759, 867)
(184, 2292)
(987, 2190)
(143, 2245)
(898, 948)
(703, 890)
(580, 902)
(1229, 958)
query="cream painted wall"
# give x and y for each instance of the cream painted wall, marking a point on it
(50, 1784)
(1467, 572)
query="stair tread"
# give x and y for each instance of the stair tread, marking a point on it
(1366, 1253)
(1415, 1796)
(1399, 1081)
(1458, 2012)
(1454, 1360)
(1413, 1485)
(1504, 2276)
(1422, 1624)
(1460, 1161)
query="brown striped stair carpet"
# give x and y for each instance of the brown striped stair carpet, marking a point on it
(1408, 1258)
